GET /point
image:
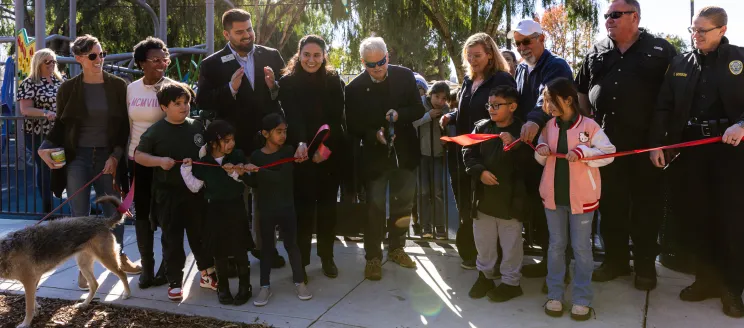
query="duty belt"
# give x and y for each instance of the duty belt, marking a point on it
(708, 128)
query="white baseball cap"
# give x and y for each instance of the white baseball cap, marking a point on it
(526, 27)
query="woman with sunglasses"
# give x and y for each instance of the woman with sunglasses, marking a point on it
(151, 55)
(37, 96)
(486, 69)
(92, 128)
(312, 94)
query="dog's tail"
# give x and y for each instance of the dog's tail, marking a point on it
(116, 218)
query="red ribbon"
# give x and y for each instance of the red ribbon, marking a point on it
(129, 199)
(472, 139)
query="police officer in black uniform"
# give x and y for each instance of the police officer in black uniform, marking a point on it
(701, 98)
(620, 80)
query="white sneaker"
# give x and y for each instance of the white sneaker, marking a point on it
(263, 297)
(554, 308)
(303, 293)
(580, 312)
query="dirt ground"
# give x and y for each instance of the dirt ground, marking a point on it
(61, 313)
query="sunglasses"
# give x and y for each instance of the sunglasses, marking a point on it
(617, 14)
(93, 56)
(526, 42)
(158, 60)
(379, 63)
(51, 61)
(496, 106)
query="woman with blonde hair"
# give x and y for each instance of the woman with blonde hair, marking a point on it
(37, 96)
(485, 69)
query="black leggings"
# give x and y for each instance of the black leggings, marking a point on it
(286, 221)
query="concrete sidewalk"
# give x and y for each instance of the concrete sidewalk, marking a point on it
(433, 295)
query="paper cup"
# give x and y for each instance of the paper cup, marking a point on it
(58, 156)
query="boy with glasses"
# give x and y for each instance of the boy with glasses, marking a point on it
(500, 194)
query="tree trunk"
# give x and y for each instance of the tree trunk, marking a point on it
(288, 27)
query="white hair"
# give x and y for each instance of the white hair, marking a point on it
(372, 44)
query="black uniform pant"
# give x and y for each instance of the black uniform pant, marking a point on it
(316, 193)
(712, 210)
(402, 186)
(188, 216)
(632, 204)
(463, 190)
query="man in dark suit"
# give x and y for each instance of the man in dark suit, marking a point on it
(238, 84)
(381, 94)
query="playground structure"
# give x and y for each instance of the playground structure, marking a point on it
(121, 62)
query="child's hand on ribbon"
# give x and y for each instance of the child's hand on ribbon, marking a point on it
(187, 162)
(506, 138)
(571, 156)
(229, 168)
(543, 151)
(248, 167)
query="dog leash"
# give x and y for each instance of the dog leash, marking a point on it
(70, 198)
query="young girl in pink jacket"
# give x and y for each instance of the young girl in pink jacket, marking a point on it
(570, 190)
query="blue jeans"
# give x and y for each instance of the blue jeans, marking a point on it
(560, 222)
(87, 164)
(431, 168)
(43, 173)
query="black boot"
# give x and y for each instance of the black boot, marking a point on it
(160, 278)
(245, 291)
(232, 268)
(732, 304)
(223, 283)
(481, 287)
(329, 267)
(145, 237)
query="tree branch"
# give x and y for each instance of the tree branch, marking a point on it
(288, 27)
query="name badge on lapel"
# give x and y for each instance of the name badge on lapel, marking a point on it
(228, 58)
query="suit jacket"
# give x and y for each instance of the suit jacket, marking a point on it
(364, 120)
(249, 106)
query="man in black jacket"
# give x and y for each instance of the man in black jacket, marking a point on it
(619, 82)
(238, 84)
(383, 96)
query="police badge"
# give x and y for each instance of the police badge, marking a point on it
(736, 67)
(199, 140)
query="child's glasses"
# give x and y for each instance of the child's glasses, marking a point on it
(496, 106)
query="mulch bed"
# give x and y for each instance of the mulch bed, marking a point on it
(61, 313)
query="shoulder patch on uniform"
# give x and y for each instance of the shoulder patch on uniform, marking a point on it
(680, 74)
(658, 48)
(199, 140)
(736, 67)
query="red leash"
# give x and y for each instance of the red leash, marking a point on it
(70, 198)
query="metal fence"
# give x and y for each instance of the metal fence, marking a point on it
(24, 178)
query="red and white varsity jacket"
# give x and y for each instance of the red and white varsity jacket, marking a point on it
(587, 139)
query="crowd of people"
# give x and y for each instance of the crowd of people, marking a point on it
(228, 186)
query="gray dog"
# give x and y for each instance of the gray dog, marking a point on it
(26, 254)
